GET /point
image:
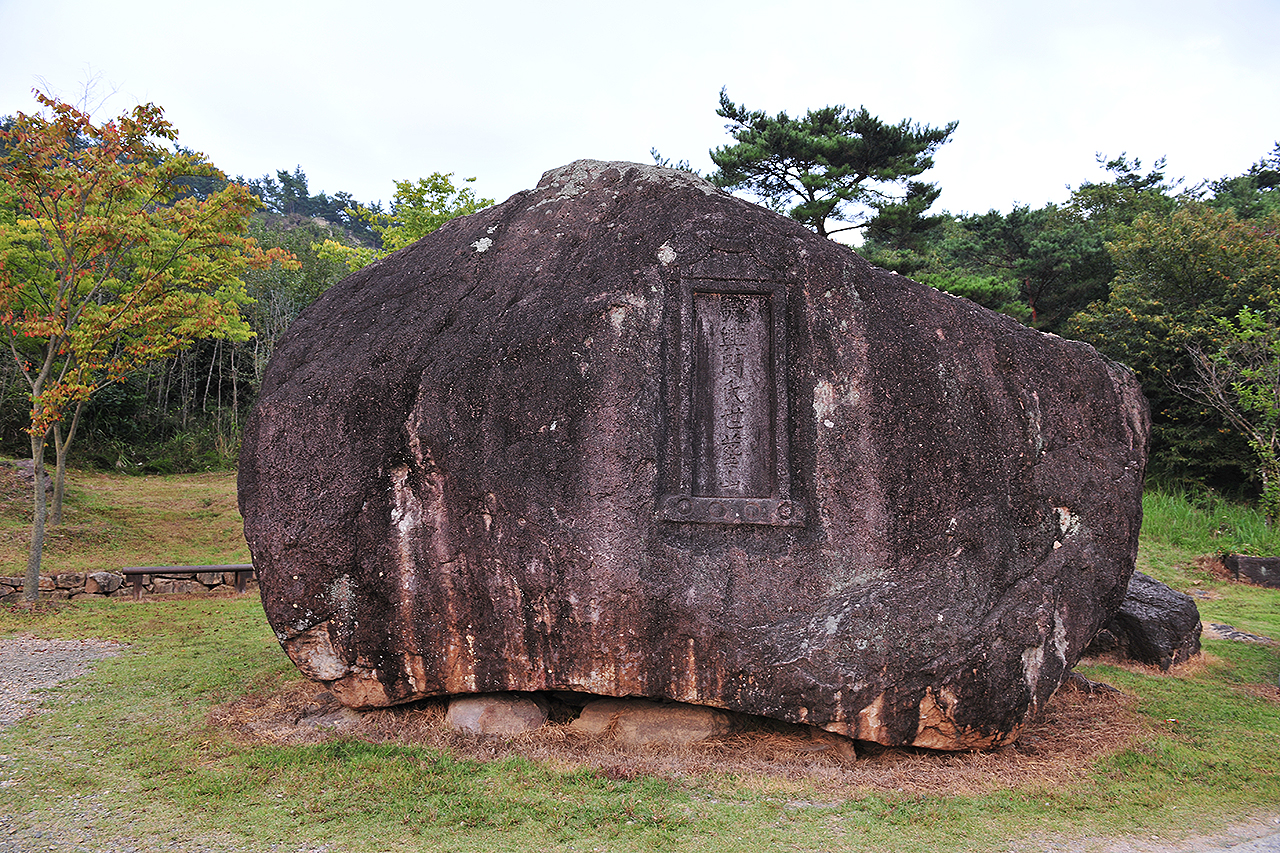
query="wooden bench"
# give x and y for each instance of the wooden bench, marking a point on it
(243, 572)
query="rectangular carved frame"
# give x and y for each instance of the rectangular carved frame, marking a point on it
(733, 372)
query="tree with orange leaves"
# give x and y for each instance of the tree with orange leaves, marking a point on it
(108, 263)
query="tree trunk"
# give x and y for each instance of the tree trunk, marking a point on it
(1270, 499)
(31, 582)
(204, 406)
(235, 391)
(61, 448)
(55, 513)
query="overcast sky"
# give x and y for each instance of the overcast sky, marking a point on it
(360, 94)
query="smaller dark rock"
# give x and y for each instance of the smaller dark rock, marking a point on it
(1155, 625)
(1264, 571)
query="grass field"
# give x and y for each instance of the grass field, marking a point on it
(111, 521)
(153, 749)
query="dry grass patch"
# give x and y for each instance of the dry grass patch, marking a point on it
(1071, 732)
(1267, 692)
(1212, 565)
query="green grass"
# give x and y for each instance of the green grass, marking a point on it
(110, 520)
(1180, 523)
(127, 754)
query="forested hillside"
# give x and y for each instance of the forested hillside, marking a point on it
(183, 413)
(1179, 282)
(1151, 272)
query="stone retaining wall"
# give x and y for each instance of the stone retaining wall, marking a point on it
(113, 584)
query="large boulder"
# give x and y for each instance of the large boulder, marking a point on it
(625, 434)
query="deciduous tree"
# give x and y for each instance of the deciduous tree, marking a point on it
(1178, 277)
(419, 207)
(108, 263)
(1241, 380)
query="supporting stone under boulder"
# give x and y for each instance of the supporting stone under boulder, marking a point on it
(497, 713)
(637, 722)
(625, 434)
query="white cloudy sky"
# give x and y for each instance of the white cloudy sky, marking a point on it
(360, 94)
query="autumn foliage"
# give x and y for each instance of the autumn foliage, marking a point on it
(104, 265)
(107, 260)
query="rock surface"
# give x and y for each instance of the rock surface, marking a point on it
(1264, 571)
(1155, 625)
(638, 722)
(625, 434)
(103, 583)
(496, 714)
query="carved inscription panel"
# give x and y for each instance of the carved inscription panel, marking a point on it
(733, 465)
(733, 395)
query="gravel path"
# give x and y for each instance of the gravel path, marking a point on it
(91, 822)
(28, 664)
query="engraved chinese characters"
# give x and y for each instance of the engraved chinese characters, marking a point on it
(733, 405)
(733, 461)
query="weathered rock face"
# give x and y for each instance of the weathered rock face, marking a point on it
(627, 435)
